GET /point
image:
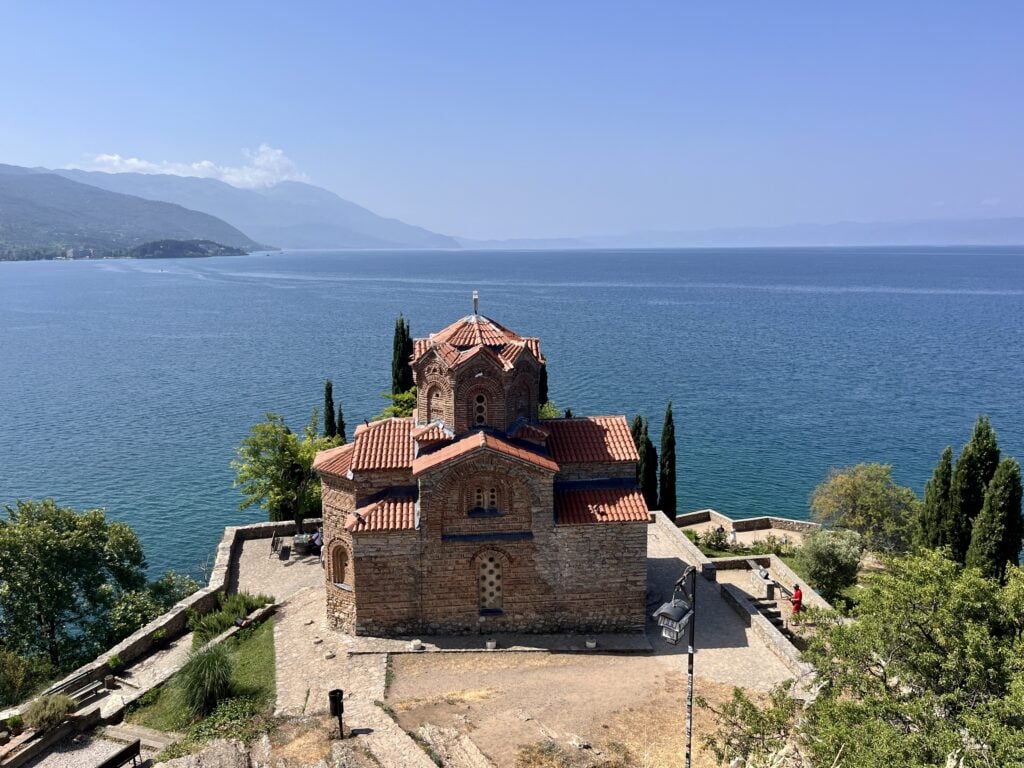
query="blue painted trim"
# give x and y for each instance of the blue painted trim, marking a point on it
(492, 536)
(485, 512)
(491, 612)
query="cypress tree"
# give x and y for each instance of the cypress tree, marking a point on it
(648, 470)
(974, 469)
(339, 429)
(934, 522)
(568, 413)
(542, 389)
(667, 483)
(330, 428)
(995, 539)
(401, 369)
(637, 430)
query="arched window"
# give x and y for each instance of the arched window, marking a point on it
(341, 571)
(480, 409)
(484, 500)
(434, 403)
(489, 567)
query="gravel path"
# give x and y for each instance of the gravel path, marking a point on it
(83, 751)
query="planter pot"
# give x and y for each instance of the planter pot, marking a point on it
(491, 645)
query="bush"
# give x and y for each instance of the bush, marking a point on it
(15, 724)
(831, 559)
(48, 712)
(205, 679)
(231, 607)
(716, 539)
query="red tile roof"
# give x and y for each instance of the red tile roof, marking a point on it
(600, 505)
(334, 461)
(465, 337)
(475, 441)
(383, 445)
(532, 432)
(396, 513)
(431, 433)
(595, 438)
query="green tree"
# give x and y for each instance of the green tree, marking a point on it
(934, 520)
(274, 469)
(548, 410)
(667, 482)
(830, 558)
(648, 469)
(330, 425)
(974, 469)
(340, 429)
(402, 405)
(927, 675)
(567, 414)
(61, 572)
(401, 365)
(637, 430)
(542, 389)
(21, 676)
(995, 540)
(865, 499)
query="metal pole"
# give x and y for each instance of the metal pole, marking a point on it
(689, 669)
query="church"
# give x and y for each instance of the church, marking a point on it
(474, 515)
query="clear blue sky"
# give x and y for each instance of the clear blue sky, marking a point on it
(522, 118)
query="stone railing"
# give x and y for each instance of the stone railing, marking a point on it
(773, 638)
(780, 572)
(748, 523)
(693, 554)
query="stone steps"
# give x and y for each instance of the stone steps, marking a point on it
(152, 740)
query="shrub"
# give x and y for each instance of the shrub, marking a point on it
(209, 626)
(15, 724)
(205, 679)
(716, 539)
(48, 712)
(831, 559)
(115, 662)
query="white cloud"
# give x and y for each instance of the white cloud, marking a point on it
(263, 168)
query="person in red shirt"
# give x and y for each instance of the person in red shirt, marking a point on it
(797, 599)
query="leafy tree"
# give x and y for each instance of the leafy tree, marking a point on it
(274, 469)
(830, 558)
(974, 469)
(865, 499)
(330, 425)
(401, 367)
(20, 676)
(548, 410)
(137, 608)
(61, 572)
(927, 675)
(996, 536)
(667, 486)
(748, 729)
(648, 470)
(934, 518)
(402, 405)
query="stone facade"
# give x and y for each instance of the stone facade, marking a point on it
(473, 515)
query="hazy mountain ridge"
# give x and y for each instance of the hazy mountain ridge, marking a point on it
(45, 214)
(289, 214)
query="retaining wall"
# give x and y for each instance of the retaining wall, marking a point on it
(748, 523)
(773, 638)
(782, 573)
(694, 556)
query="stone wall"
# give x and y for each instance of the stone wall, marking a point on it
(748, 523)
(693, 554)
(769, 633)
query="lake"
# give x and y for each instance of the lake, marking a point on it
(128, 384)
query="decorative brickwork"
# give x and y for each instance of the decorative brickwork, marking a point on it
(447, 522)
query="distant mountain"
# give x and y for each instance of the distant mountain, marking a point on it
(289, 214)
(43, 214)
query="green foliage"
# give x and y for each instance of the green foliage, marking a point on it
(48, 712)
(996, 536)
(401, 357)
(63, 613)
(667, 480)
(230, 607)
(648, 469)
(15, 723)
(179, 249)
(830, 560)
(20, 676)
(716, 539)
(171, 588)
(274, 469)
(548, 410)
(205, 679)
(567, 414)
(934, 521)
(974, 469)
(865, 499)
(542, 387)
(929, 674)
(115, 662)
(402, 405)
(330, 425)
(340, 430)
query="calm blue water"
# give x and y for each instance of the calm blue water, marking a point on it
(127, 384)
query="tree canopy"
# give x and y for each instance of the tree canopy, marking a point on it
(865, 499)
(667, 476)
(973, 472)
(996, 533)
(401, 367)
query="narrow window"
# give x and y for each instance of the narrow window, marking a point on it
(478, 500)
(433, 404)
(490, 583)
(480, 417)
(492, 498)
(339, 566)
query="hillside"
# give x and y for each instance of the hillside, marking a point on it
(289, 214)
(43, 214)
(181, 249)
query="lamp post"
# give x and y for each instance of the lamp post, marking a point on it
(673, 617)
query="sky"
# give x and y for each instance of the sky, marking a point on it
(539, 119)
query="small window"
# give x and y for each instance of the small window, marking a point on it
(480, 413)
(340, 572)
(490, 583)
(492, 498)
(478, 498)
